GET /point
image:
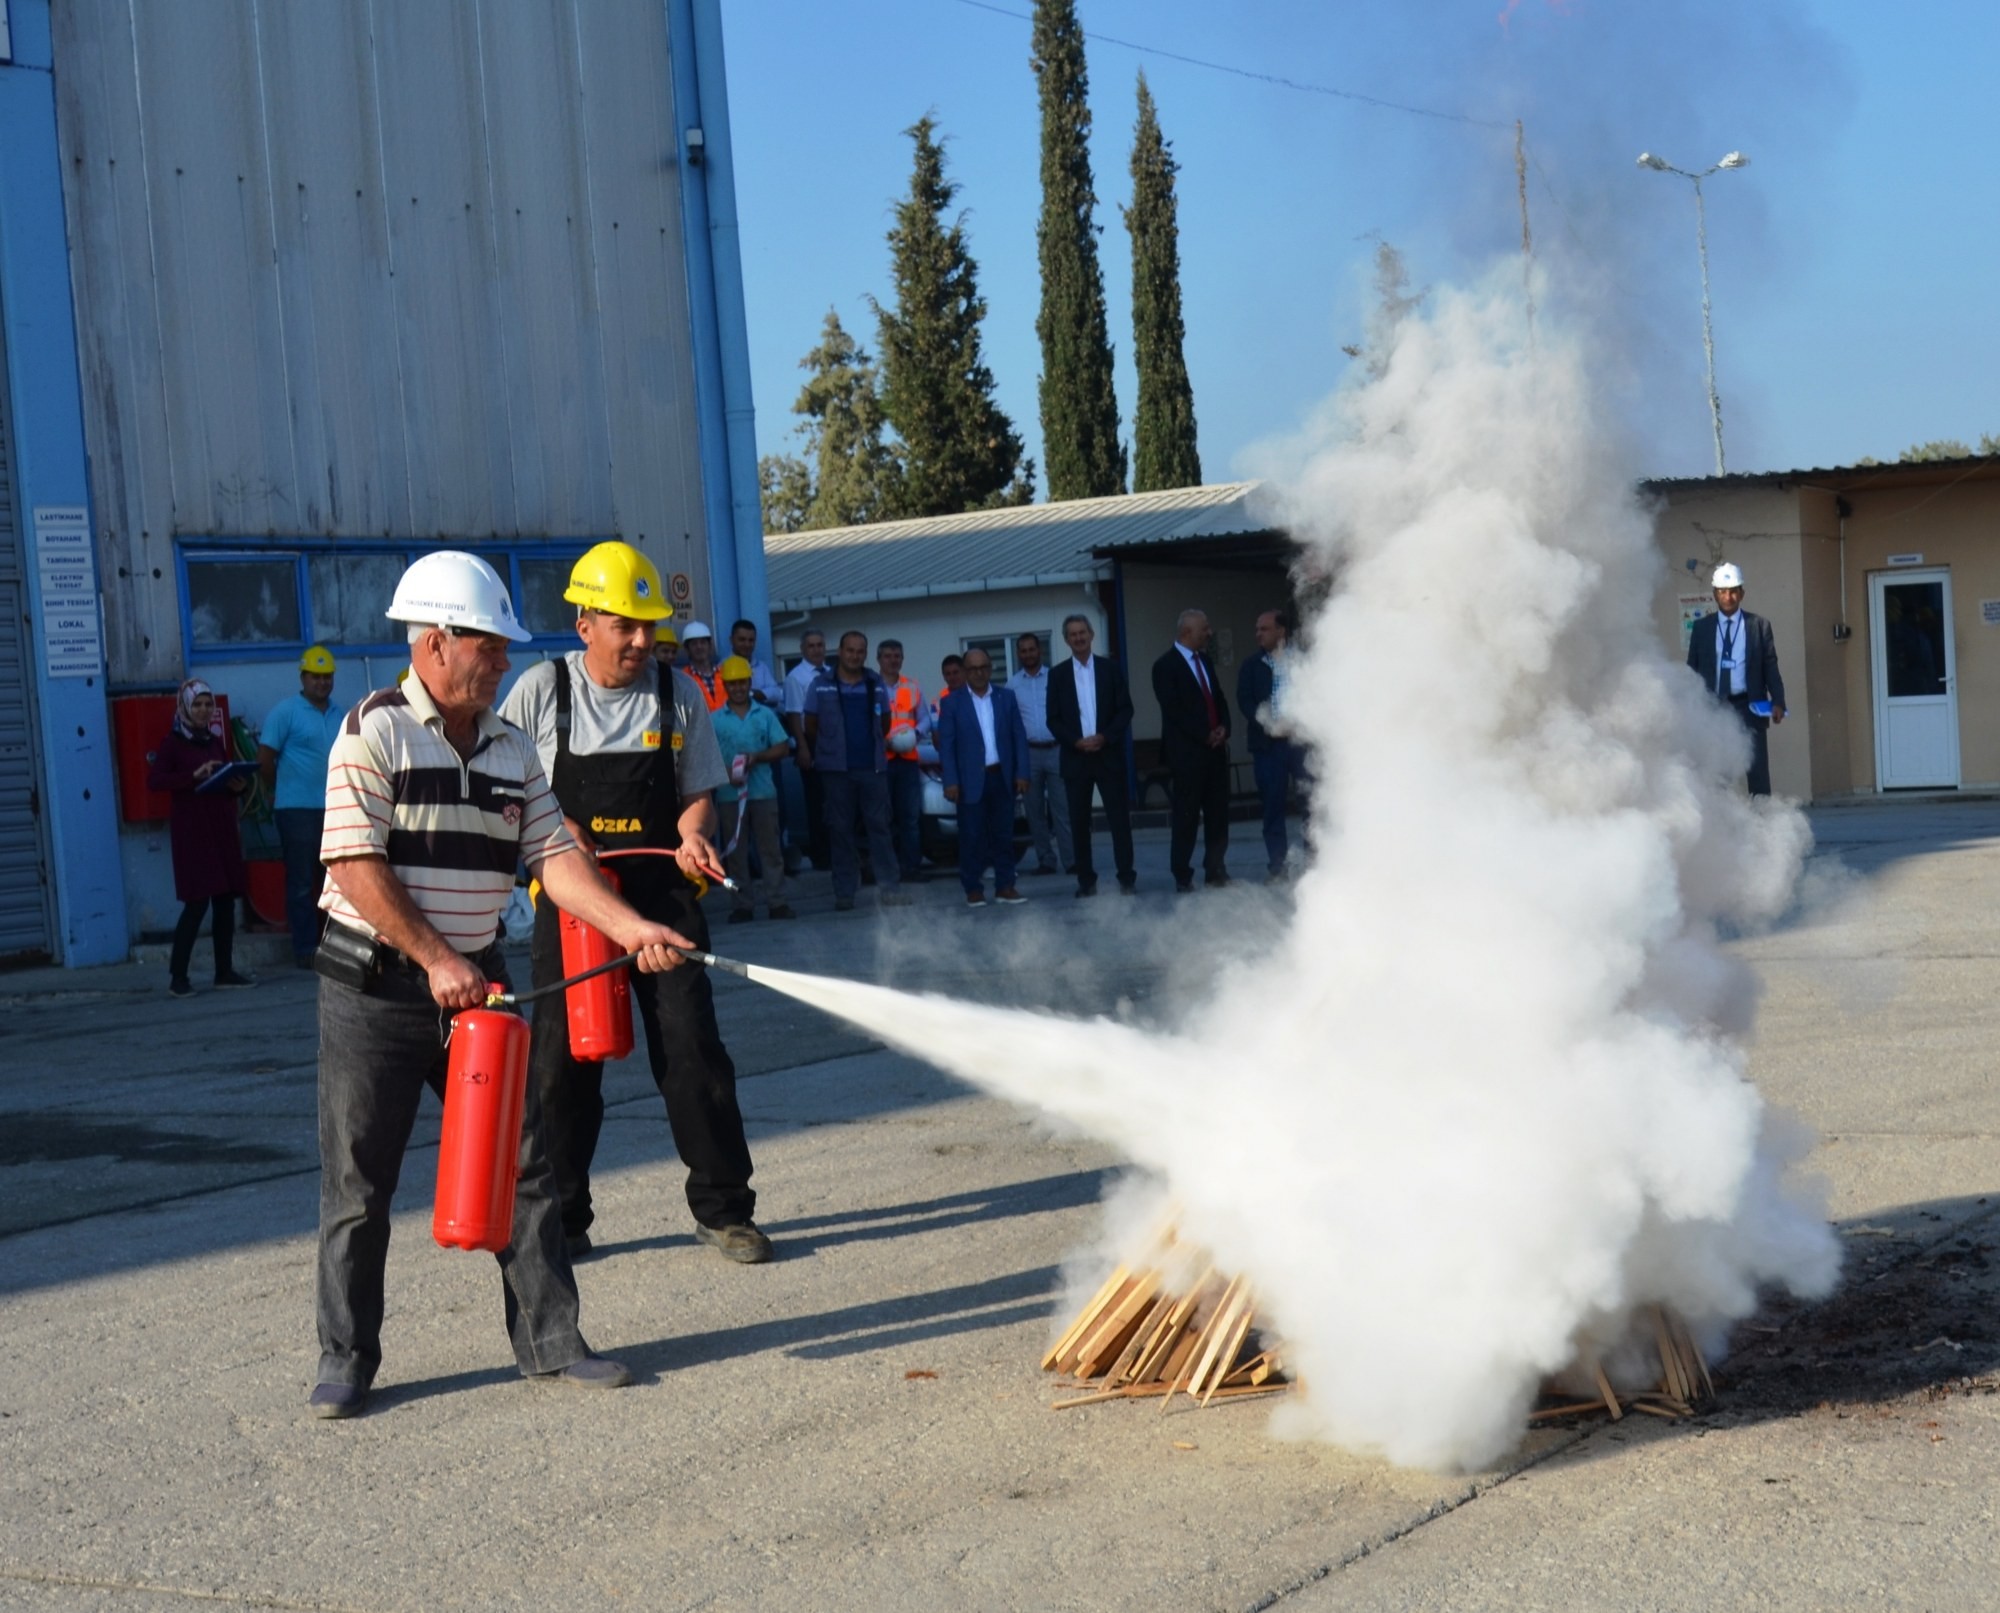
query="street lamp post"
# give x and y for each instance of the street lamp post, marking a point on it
(1735, 159)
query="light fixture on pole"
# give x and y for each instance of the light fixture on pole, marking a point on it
(1660, 165)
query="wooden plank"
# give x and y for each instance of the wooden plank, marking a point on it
(1083, 1318)
(1213, 1335)
(1575, 1408)
(1604, 1389)
(1236, 1337)
(1111, 1334)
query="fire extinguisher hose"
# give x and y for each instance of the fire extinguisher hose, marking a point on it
(513, 999)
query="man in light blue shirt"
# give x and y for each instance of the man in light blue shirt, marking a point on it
(1048, 796)
(291, 756)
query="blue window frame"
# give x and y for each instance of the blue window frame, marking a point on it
(266, 599)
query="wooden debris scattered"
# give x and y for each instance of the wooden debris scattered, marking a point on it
(1684, 1381)
(1140, 1338)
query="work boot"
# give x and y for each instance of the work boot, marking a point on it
(338, 1400)
(592, 1372)
(230, 980)
(740, 1242)
(180, 988)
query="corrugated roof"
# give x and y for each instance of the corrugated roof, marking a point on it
(1887, 472)
(985, 550)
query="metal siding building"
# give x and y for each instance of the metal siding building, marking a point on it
(356, 281)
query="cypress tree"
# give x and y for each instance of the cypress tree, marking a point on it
(855, 478)
(1080, 448)
(1163, 446)
(959, 450)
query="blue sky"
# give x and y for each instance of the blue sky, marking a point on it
(1851, 262)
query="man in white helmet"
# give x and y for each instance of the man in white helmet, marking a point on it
(431, 800)
(1733, 653)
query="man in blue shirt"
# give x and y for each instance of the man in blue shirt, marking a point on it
(291, 756)
(846, 729)
(752, 736)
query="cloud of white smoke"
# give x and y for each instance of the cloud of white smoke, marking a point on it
(1485, 1097)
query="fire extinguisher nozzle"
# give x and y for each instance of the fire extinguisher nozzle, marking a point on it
(729, 965)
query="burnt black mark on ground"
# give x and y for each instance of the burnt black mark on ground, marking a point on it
(1921, 1321)
(53, 1136)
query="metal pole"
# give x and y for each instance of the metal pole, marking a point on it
(1707, 323)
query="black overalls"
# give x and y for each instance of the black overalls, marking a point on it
(627, 799)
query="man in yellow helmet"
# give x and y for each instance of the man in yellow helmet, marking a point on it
(632, 757)
(292, 749)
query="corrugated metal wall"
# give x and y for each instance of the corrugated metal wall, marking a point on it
(24, 880)
(357, 269)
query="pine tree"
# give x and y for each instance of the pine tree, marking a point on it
(1164, 452)
(1080, 448)
(958, 449)
(855, 472)
(785, 485)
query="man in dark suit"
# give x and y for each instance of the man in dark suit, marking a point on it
(1090, 713)
(983, 748)
(1734, 655)
(1194, 745)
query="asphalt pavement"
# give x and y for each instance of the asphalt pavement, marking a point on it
(861, 1423)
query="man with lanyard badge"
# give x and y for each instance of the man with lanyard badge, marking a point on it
(1734, 654)
(632, 757)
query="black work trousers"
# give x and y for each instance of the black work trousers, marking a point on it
(1200, 788)
(1759, 777)
(1104, 772)
(690, 1065)
(377, 1053)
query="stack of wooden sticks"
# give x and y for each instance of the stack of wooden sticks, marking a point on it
(1684, 1381)
(1139, 1338)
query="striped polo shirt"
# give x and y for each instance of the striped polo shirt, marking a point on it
(451, 829)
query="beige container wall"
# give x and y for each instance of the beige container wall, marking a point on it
(1757, 528)
(1957, 527)
(1823, 700)
(1155, 596)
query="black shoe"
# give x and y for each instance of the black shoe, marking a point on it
(1085, 890)
(1215, 882)
(741, 1242)
(1128, 887)
(338, 1400)
(741, 916)
(232, 981)
(578, 1244)
(1183, 886)
(781, 911)
(179, 988)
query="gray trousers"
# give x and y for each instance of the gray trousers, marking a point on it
(763, 830)
(1048, 807)
(376, 1055)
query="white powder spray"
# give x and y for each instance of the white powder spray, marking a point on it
(1485, 1097)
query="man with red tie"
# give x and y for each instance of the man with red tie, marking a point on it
(1194, 745)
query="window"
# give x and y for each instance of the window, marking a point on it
(538, 595)
(246, 600)
(252, 600)
(350, 594)
(1000, 647)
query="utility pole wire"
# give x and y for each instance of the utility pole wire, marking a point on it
(1261, 78)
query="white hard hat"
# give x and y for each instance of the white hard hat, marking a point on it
(455, 589)
(903, 740)
(1726, 576)
(695, 630)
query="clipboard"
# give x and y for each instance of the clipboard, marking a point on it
(219, 779)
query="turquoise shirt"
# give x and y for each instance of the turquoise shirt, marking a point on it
(302, 735)
(757, 729)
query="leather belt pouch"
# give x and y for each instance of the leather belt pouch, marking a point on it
(349, 958)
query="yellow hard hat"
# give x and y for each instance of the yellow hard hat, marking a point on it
(317, 659)
(735, 667)
(616, 577)
(666, 634)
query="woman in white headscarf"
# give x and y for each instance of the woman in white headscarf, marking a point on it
(208, 850)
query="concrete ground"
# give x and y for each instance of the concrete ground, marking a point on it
(860, 1424)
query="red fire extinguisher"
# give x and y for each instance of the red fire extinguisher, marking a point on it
(600, 1009)
(479, 1153)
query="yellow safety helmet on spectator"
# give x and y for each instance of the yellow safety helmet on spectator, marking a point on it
(317, 659)
(734, 667)
(617, 578)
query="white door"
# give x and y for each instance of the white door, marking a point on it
(1916, 691)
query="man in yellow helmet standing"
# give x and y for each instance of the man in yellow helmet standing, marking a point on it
(292, 750)
(632, 757)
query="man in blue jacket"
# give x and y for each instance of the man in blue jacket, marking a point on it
(983, 746)
(846, 736)
(1277, 760)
